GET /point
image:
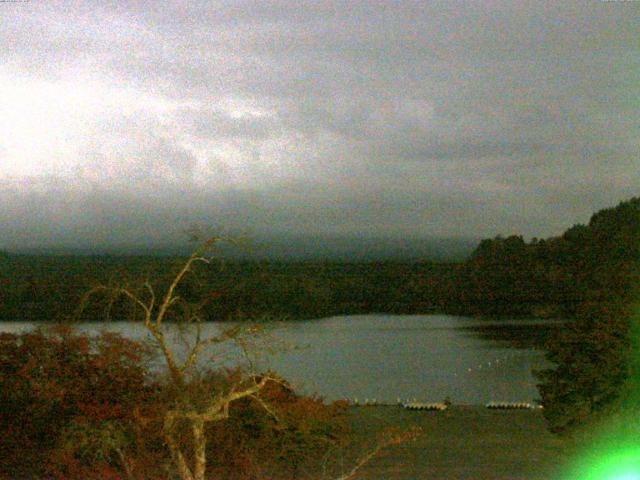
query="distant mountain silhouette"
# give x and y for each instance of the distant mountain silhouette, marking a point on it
(300, 247)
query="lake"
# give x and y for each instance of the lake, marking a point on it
(385, 357)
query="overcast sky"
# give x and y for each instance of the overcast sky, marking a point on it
(128, 121)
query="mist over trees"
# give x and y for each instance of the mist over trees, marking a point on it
(558, 277)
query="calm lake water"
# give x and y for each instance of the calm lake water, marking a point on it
(426, 357)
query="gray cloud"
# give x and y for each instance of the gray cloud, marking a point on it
(381, 118)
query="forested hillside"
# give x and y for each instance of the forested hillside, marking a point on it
(593, 355)
(565, 276)
(588, 267)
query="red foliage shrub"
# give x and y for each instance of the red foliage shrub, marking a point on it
(75, 407)
(47, 380)
(281, 444)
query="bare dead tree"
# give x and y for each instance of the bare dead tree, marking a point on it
(189, 458)
(190, 463)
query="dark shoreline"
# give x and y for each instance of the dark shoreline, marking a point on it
(50, 287)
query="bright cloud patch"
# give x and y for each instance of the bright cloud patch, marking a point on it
(421, 118)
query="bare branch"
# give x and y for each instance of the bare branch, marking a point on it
(202, 259)
(391, 438)
(125, 464)
(197, 346)
(135, 300)
(266, 406)
(84, 300)
(362, 462)
(188, 411)
(218, 409)
(245, 352)
(200, 443)
(174, 370)
(152, 301)
(174, 448)
(228, 334)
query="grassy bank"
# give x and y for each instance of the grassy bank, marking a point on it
(462, 443)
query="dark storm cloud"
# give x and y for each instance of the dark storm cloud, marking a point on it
(409, 118)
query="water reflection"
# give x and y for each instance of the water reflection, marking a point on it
(527, 335)
(427, 357)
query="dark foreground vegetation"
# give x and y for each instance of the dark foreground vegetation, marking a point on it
(75, 407)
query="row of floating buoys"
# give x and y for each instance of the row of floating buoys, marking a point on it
(411, 405)
(366, 403)
(509, 405)
(440, 406)
(425, 406)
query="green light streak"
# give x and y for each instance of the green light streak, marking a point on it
(614, 446)
(618, 464)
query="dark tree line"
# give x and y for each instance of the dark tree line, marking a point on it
(593, 354)
(565, 276)
(505, 276)
(49, 288)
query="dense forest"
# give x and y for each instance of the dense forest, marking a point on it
(594, 355)
(593, 264)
